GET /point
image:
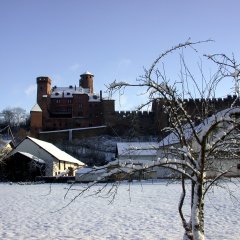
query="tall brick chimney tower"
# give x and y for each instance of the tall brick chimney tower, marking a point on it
(43, 90)
(86, 81)
(43, 96)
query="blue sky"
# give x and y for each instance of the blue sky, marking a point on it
(111, 39)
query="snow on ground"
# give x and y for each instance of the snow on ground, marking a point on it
(31, 212)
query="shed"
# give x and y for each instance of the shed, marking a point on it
(22, 166)
(55, 159)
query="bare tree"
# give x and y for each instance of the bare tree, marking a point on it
(14, 117)
(198, 136)
(8, 116)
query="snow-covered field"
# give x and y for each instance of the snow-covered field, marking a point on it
(149, 212)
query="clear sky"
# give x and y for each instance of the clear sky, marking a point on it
(113, 39)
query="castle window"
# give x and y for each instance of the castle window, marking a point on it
(69, 100)
(58, 101)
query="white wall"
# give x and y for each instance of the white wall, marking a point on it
(155, 172)
(32, 148)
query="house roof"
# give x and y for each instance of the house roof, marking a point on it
(32, 157)
(137, 148)
(173, 138)
(55, 152)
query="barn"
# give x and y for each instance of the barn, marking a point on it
(56, 160)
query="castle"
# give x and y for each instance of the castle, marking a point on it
(68, 107)
(78, 107)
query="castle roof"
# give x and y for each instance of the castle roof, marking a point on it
(36, 108)
(58, 92)
(68, 92)
(87, 73)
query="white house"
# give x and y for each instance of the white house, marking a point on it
(56, 160)
(215, 164)
(141, 153)
(137, 150)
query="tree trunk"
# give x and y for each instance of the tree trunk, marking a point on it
(197, 215)
(188, 235)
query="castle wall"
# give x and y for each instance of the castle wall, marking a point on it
(131, 123)
(201, 108)
(71, 134)
(81, 110)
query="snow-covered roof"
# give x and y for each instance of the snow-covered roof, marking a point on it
(86, 170)
(94, 98)
(34, 158)
(36, 108)
(87, 73)
(172, 138)
(137, 148)
(67, 92)
(54, 151)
